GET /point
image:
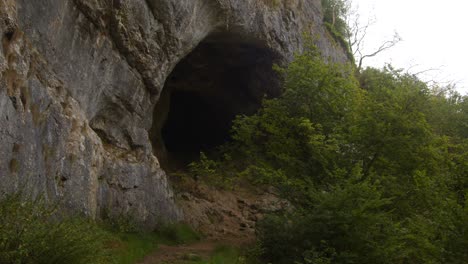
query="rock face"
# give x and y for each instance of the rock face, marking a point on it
(86, 89)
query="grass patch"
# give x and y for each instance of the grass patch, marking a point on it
(132, 247)
(33, 231)
(227, 255)
(176, 234)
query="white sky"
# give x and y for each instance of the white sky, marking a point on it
(433, 32)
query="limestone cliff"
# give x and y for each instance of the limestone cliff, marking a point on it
(95, 93)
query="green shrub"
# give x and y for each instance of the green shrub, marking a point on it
(208, 171)
(376, 170)
(133, 247)
(228, 255)
(348, 224)
(120, 224)
(295, 138)
(33, 232)
(177, 234)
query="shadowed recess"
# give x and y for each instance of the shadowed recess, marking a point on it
(223, 77)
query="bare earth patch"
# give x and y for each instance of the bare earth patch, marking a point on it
(223, 217)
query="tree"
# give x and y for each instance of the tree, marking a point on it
(356, 32)
(376, 168)
(335, 11)
(294, 134)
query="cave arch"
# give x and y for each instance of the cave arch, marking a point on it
(224, 76)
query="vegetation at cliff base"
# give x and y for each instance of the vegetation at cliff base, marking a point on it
(31, 231)
(34, 231)
(375, 164)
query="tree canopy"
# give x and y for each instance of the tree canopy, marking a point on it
(375, 164)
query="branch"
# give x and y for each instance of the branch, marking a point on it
(385, 46)
(356, 32)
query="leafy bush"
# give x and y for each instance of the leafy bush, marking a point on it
(208, 171)
(386, 189)
(298, 134)
(348, 224)
(33, 232)
(121, 223)
(132, 247)
(177, 234)
(375, 172)
(376, 166)
(228, 255)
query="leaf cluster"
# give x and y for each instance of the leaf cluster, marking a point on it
(375, 163)
(31, 231)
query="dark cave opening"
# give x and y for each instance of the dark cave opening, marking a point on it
(194, 125)
(223, 77)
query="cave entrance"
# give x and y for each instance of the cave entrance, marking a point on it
(222, 77)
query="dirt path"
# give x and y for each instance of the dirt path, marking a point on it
(224, 217)
(172, 254)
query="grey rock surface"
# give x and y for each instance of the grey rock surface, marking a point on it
(79, 81)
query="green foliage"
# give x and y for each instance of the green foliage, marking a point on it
(207, 170)
(340, 38)
(334, 19)
(32, 232)
(227, 255)
(392, 133)
(177, 234)
(224, 255)
(348, 224)
(377, 168)
(335, 12)
(298, 134)
(132, 246)
(128, 248)
(456, 237)
(122, 223)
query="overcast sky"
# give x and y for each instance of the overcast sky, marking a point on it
(433, 32)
